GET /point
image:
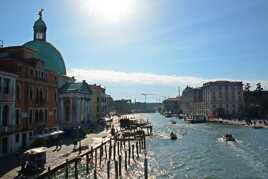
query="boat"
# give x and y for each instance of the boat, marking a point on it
(228, 138)
(257, 127)
(173, 136)
(173, 122)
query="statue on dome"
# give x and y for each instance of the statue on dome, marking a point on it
(40, 13)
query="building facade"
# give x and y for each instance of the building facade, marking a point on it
(214, 99)
(75, 110)
(99, 102)
(223, 98)
(35, 94)
(7, 112)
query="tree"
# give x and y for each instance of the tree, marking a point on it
(258, 87)
(247, 87)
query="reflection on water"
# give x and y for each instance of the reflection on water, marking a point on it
(200, 153)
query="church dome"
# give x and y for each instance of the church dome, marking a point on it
(51, 56)
(44, 50)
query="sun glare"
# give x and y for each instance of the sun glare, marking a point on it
(111, 10)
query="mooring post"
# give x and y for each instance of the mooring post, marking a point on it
(129, 154)
(101, 150)
(126, 160)
(144, 139)
(91, 153)
(66, 169)
(75, 170)
(116, 169)
(137, 150)
(95, 173)
(133, 147)
(145, 167)
(96, 157)
(105, 150)
(118, 148)
(49, 174)
(119, 166)
(87, 161)
(114, 149)
(108, 169)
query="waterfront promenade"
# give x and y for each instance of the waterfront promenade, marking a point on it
(255, 123)
(58, 156)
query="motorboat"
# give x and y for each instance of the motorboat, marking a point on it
(257, 127)
(173, 122)
(173, 136)
(228, 137)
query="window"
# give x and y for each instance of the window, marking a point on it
(17, 92)
(30, 135)
(6, 85)
(30, 116)
(30, 93)
(0, 85)
(5, 115)
(36, 116)
(46, 116)
(17, 117)
(17, 138)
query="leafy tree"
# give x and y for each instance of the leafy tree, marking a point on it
(247, 87)
(258, 87)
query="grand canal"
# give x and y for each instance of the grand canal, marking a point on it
(199, 154)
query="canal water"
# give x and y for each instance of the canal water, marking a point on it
(198, 153)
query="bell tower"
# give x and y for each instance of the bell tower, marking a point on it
(40, 27)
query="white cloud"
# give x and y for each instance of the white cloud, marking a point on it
(117, 77)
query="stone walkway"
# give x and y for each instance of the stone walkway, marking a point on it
(10, 165)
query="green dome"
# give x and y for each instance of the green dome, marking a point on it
(49, 55)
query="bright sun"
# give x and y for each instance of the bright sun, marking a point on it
(111, 10)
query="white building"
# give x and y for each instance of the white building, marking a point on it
(223, 98)
(7, 112)
(74, 101)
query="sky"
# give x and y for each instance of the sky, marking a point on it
(149, 46)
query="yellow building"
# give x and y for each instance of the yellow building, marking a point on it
(98, 102)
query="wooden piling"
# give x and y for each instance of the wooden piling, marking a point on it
(133, 147)
(137, 150)
(108, 169)
(125, 160)
(49, 173)
(105, 150)
(75, 170)
(96, 157)
(129, 154)
(95, 173)
(116, 169)
(114, 150)
(145, 168)
(119, 166)
(87, 163)
(66, 169)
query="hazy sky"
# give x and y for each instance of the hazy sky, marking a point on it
(151, 46)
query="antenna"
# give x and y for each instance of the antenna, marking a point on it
(179, 90)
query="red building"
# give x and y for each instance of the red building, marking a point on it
(36, 93)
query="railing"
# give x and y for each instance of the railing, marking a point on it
(99, 158)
